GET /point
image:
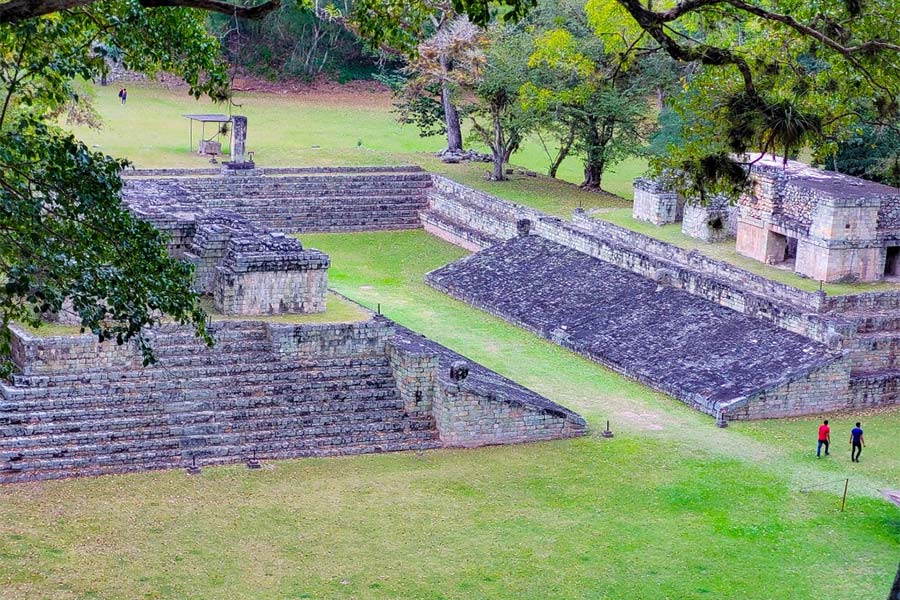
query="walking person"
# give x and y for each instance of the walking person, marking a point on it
(824, 439)
(857, 442)
(124, 95)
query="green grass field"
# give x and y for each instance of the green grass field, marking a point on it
(313, 129)
(672, 507)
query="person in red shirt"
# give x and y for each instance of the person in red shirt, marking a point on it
(824, 438)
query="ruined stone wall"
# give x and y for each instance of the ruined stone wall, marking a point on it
(714, 222)
(821, 391)
(483, 407)
(467, 418)
(713, 280)
(859, 324)
(655, 204)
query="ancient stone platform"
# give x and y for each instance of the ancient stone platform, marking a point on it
(266, 390)
(709, 356)
(294, 200)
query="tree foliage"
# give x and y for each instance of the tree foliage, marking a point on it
(772, 76)
(498, 118)
(64, 232)
(293, 41)
(594, 101)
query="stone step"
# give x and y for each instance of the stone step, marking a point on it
(237, 407)
(385, 192)
(186, 424)
(120, 449)
(266, 365)
(196, 389)
(459, 232)
(44, 470)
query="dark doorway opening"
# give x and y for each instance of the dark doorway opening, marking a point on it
(892, 261)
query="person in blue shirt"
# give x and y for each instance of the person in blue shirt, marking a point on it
(857, 443)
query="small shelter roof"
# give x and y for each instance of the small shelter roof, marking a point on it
(209, 118)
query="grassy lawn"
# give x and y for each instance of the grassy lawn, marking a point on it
(315, 129)
(672, 507)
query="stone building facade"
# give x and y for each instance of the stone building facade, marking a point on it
(823, 225)
(712, 221)
(833, 227)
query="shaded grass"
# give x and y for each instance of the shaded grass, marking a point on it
(672, 507)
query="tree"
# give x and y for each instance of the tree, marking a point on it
(597, 100)
(293, 41)
(498, 100)
(895, 589)
(771, 77)
(870, 152)
(451, 60)
(64, 233)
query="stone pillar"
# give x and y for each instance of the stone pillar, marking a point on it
(238, 138)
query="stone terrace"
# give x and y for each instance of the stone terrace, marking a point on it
(266, 390)
(704, 354)
(296, 200)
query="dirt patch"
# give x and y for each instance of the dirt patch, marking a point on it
(367, 93)
(644, 420)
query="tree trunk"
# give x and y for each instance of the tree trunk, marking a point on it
(594, 160)
(593, 174)
(895, 591)
(498, 148)
(600, 135)
(451, 115)
(564, 148)
(454, 131)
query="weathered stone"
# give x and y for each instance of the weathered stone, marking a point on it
(701, 353)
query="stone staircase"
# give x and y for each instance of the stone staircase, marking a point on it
(449, 216)
(306, 202)
(875, 358)
(226, 404)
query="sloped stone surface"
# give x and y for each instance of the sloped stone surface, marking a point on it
(697, 351)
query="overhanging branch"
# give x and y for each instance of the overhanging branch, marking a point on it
(18, 10)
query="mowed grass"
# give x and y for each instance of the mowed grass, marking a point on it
(672, 507)
(316, 129)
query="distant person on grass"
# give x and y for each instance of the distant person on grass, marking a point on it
(824, 438)
(857, 442)
(123, 95)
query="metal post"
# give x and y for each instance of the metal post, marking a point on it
(844, 499)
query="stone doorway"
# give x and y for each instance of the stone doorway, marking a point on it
(781, 251)
(892, 261)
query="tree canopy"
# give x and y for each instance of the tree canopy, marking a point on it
(773, 76)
